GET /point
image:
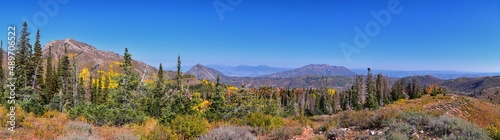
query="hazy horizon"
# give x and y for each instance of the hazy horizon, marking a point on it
(420, 35)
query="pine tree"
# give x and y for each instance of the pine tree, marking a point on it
(178, 79)
(160, 83)
(2, 76)
(218, 107)
(415, 89)
(37, 63)
(23, 59)
(356, 93)
(129, 81)
(64, 77)
(371, 101)
(50, 80)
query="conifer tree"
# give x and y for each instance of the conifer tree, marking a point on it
(159, 89)
(218, 107)
(371, 101)
(178, 79)
(37, 63)
(2, 76)
(64, 77)
(415, 89)
(50, 79)
(23, 59)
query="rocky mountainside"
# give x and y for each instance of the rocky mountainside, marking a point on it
(87, 56)
(315, 70)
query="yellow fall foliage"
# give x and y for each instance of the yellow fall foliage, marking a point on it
(332, 91)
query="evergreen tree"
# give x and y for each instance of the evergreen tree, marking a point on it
(37, 63)
(23, 63)
(50, 80)
(218, 107)
(2, 76)
(128, 81)
(178, 79)
(355, 94)
(371, 101)
(64, 77)
(415, 89)
(160, 83)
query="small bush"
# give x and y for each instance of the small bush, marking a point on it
(334, 133)
(78, 127)
(190, 126)
(416, 118)
(494, 132)
(364, 119)
(78, 131)
(402, 128)
(285, 133)
(264, 123)
(125, 135)
(448, 127)
(229, 133)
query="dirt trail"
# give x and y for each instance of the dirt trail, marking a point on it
(307, 134)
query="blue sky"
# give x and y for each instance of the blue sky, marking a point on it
(461, 35)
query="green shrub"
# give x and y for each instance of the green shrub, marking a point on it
(401, 128)
(364, 119)
(107, 114)
(161, 132)
(229, 133)
(453, 128)
(416, 118)
(494, 132)
(264, 123)
(190, 126)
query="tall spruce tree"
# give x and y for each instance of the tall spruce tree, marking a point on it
(371, 101)
(2, 76)
(178, 79)
(37, 63)
(218, 107)
(64, 75)
(23, 63)
(415, 88)
(50, 79)
(159, 89)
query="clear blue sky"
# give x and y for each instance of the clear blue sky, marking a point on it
(462, 35)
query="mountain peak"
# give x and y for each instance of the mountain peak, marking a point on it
(203, 72)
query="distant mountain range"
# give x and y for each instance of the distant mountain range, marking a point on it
(445, 75)
(247, 71)
(307, 76)
(315, 70)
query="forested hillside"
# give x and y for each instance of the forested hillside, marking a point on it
(65, 99)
